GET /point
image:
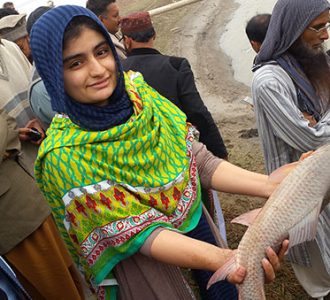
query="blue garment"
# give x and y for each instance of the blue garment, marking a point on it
(40, 103)
(46, 44)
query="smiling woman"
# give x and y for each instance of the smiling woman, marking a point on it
(121, 168)
(89, 68)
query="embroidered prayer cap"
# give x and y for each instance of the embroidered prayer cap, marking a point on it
(46, 41)
(289, 20)
(13, 27)
(136, 22)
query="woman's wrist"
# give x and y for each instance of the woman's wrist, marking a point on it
(270, 187)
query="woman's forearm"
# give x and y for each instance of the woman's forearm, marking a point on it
(232, 179)
(177, 249)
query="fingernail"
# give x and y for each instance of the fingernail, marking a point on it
(241, 271)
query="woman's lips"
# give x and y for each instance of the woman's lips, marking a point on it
(100, 84)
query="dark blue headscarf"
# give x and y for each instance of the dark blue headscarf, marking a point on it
(47, 47)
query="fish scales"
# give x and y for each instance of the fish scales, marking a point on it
(300, 193)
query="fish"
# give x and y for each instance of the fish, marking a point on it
(291, 212)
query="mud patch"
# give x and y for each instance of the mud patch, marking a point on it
(248, 133)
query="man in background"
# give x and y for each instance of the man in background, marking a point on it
(256, 30)
(8, 5)
(7, 12)
(171, 76)
(13, 28)
(291, 95)
(38, 96)
(108, 12)
(15, 72)
(29, 239)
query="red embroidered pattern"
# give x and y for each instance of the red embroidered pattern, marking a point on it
(118, 232)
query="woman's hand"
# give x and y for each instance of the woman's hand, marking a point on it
(270, 265)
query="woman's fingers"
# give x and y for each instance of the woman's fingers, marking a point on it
(237, 276)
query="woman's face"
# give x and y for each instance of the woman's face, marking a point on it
(89, 68)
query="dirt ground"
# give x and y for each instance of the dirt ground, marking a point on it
(194, 32)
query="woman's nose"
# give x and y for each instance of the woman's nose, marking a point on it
(96, 68)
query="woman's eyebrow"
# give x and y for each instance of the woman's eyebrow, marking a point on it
(66, 59)
(73, 56)
(100, 44)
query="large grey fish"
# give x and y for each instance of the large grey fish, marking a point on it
(291, 211)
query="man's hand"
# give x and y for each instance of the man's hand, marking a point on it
(305, 155)
(24, 132)
(276, 177)
(273, 263)
(310, 119)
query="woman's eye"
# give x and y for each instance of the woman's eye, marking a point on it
(103, 52)
(75, 64)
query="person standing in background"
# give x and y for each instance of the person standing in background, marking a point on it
(8, 5)
(29, 239)
(108, 12)
(15, 72)
(256, 29)
(291, 95)
(13, 28)
(38, 96)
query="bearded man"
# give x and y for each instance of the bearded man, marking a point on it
(291, 95)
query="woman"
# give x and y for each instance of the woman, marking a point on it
(119, 165)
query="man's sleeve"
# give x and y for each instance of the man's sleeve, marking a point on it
(3, 136)
(8, 134)
(197, 113)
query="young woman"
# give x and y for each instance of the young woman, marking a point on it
(120, 166)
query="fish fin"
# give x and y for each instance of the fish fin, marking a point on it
(247, 218)
(305, 230)
(228, 267)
